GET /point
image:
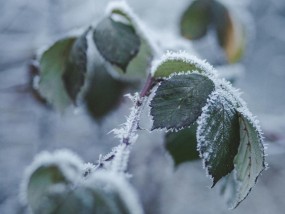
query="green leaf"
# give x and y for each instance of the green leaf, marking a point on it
(249, 161)
(60, 197)
(230, 32)
(176, 65)
(103, 92)
(178, 101)
(204, 14)
(182, 145)
(74, 74)
(218, 136)
(113, 195)
(52, 66)
(138, 67)
(55, 185)
(117, 42)
(196, 19)
(83, 199)
(39, 183)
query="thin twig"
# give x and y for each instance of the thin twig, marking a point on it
(128, 132)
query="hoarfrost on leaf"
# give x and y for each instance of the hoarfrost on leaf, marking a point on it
(218, 135)
(49, 169)
(178, 101)
(249, 162)
(175, 62)
(117, 190)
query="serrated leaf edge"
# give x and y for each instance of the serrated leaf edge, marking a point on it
(212, 78)
(201, 120)
(244, 112)
(184, 57)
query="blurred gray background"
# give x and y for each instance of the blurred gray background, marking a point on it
(26, 127)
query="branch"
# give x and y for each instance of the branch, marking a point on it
(127, 134)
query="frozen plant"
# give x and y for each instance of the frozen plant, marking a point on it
(185, 95)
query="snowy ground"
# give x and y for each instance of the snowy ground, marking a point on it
(27, 128)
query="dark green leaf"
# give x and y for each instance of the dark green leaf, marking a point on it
(249, 161)
(218, 132)
(76, 67)
(103, 92)
(178, 101)
(117, 42)
(196, 19)
(137, 68)
(182, 145)
(52, 67)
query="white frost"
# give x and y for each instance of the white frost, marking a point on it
(185, 57)
(69, 163)
(120, 161)
(116, 182)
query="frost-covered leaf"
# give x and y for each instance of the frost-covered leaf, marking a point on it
(249, 161)
(47, 173)
(218, 135)
(117, 42)
(40, 181)
(55, 185)
(52, 66)
(196, 19)
(230, 32)
(175, 62)
(74, 74)
(182, 145)
(174, 66)
(114, 192)
(103, 92)
(179, 100)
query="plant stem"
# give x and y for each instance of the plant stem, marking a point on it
(128, 133)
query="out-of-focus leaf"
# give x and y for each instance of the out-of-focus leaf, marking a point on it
(52, 67)
(117, 42)
(196, 19)
(218, 136)
(103, 92)
(113, 194)
(204, 14)
(74, 74)
(182, 145)
(138, 67)
(230, 32)
(55, 185)
(178, 101)
(39, 183)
